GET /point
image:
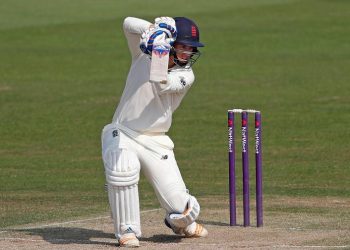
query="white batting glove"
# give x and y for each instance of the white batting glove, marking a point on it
(162, 25)
(167, 24)
(161, 42)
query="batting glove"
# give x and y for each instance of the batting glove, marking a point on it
(162, 25)
(168, 25)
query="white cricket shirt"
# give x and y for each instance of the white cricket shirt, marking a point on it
(148, 107)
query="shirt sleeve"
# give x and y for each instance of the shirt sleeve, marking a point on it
(177, 82)
(133, 28)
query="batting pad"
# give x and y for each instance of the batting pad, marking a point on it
(122, 169)
(187, 217)
(124, 203)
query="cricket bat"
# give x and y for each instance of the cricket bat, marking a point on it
(159, 62)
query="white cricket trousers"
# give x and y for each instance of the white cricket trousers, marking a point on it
(156, 157)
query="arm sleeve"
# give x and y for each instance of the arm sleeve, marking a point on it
(177, 82)
(133, 28)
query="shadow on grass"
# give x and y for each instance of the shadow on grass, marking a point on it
(70, 235)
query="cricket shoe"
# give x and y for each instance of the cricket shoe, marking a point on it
(128, 239)
(195, 230)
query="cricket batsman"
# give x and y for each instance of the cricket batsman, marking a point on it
(136, 138)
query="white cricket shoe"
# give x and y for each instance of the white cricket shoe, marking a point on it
(128, 239)
(195, 230)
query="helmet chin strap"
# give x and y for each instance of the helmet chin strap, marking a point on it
(185, 63)
(180, 63)
(176, 60)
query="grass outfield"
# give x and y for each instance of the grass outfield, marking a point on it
(62, 70)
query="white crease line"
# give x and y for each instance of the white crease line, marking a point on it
(327, 247)
(55, 240)
(178, 243)
(305, 229)
(250, 246)
(74, 221)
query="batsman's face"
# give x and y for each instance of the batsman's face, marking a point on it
(183, 52)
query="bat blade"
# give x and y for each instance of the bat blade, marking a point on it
(159, 63)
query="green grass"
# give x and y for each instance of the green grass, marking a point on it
(62, 70)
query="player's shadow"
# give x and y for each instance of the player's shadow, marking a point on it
(71, 235)
(163, 238)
